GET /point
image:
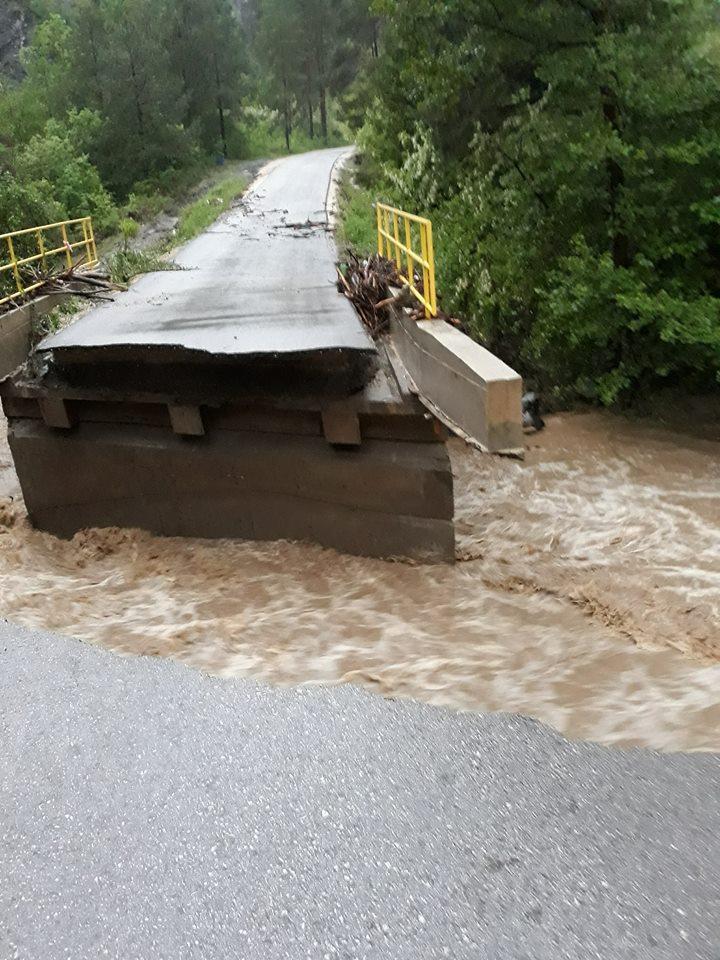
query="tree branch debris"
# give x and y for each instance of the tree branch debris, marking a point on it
(70, 282)
(375, 288)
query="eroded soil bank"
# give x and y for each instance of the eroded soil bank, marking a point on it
(588, 592)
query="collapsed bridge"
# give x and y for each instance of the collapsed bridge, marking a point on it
(240, 396)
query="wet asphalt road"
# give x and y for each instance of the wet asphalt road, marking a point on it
(260, 281)
(149, 811)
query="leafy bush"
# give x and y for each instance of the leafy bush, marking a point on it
(569, 155)
(51, 161)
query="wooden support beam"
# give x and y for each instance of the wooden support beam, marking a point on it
(55, 412)
(341, 425)
(186, 420)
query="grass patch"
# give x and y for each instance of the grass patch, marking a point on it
(200, 214)
(264, 141)
(261, 135)
(357, 227)
(125, 264)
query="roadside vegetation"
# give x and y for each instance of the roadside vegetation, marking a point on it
(126, 261)
(118, 108)
(198, 216)
(356, 228)
(568, 153)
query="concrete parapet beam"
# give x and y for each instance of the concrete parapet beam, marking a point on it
(471, 389)
(15, 331)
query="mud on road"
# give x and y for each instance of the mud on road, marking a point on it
(587, 596)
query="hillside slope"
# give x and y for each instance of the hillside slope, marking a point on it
(13, 33)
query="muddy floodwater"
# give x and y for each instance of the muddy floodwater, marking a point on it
(587, 593)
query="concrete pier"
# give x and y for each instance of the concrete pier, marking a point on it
(237, 397)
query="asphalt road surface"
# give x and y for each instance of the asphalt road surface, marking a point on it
(260, 281)
(148, 811)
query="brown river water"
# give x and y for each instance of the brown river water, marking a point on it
(587, 593)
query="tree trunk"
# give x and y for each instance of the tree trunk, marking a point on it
(323, 112)
(221, 112)
(286, 112)
(311, 118)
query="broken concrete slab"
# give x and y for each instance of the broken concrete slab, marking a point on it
(470, 388)
(251, 286)
(385, 498)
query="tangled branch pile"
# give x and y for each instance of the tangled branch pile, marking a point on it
(367, 284)
(65, 282)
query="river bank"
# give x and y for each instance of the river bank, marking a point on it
(586, 595)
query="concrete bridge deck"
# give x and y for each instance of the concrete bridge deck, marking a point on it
(258, 282)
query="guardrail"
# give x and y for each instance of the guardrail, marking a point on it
(404, 250)
(41, 239)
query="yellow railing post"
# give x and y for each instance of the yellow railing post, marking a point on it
(424, 254)
(86, 240)
(392, 248)
(430, 257)
(66, 242)
(14, 263)
(92, 240)
(396, 233)
(41, 248)
(408, 244)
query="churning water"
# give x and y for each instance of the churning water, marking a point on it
(587, 593)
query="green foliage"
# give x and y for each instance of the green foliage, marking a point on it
(145, 203)
(356, 229)
(56, 318)
(263, 137)
(569, 154)
(52, 162)
(49, 179)
(125, 103)
(119, 97)
(308, 51)
(129, 229)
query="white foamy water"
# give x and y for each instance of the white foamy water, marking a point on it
(588, 591)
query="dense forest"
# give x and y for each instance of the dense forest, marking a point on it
(568, 151)
(111, 102)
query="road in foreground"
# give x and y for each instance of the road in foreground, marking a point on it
(149, 811)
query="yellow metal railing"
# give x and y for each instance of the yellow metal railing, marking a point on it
(399, 235)
(42, 240)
